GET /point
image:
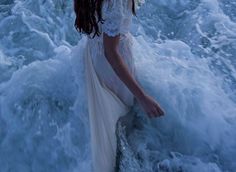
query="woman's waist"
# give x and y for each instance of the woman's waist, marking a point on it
(122, 34)
(127, 36)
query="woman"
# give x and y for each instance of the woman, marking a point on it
(110, 74)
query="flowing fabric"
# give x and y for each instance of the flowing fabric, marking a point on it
(108, 97)
(105, 108)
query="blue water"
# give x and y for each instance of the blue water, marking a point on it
(185, 54)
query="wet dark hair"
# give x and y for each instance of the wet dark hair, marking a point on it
(86, 12)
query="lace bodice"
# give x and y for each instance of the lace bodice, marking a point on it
(117, 15)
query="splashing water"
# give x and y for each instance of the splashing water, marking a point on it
(185, 57)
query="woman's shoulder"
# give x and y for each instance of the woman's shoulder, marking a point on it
(121, 6)
(116, 17)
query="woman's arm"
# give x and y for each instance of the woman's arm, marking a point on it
(119, 66)
(113, 56)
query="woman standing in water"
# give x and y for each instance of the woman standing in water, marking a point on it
(110, 74)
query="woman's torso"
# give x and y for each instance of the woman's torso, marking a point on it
(104, 70)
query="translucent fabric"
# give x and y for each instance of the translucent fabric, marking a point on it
(108, 100)
(108, 97)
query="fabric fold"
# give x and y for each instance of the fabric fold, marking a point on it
(104, 109)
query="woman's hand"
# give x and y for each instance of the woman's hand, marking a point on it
(150, 106)
(121, 69)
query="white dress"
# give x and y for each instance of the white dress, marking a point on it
(108, 96)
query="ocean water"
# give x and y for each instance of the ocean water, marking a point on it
(185, 55)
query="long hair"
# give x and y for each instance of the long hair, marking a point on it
(89, 14)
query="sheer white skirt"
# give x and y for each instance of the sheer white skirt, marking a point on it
(108, 100)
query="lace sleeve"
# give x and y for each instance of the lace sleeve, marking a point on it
(113, 15)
